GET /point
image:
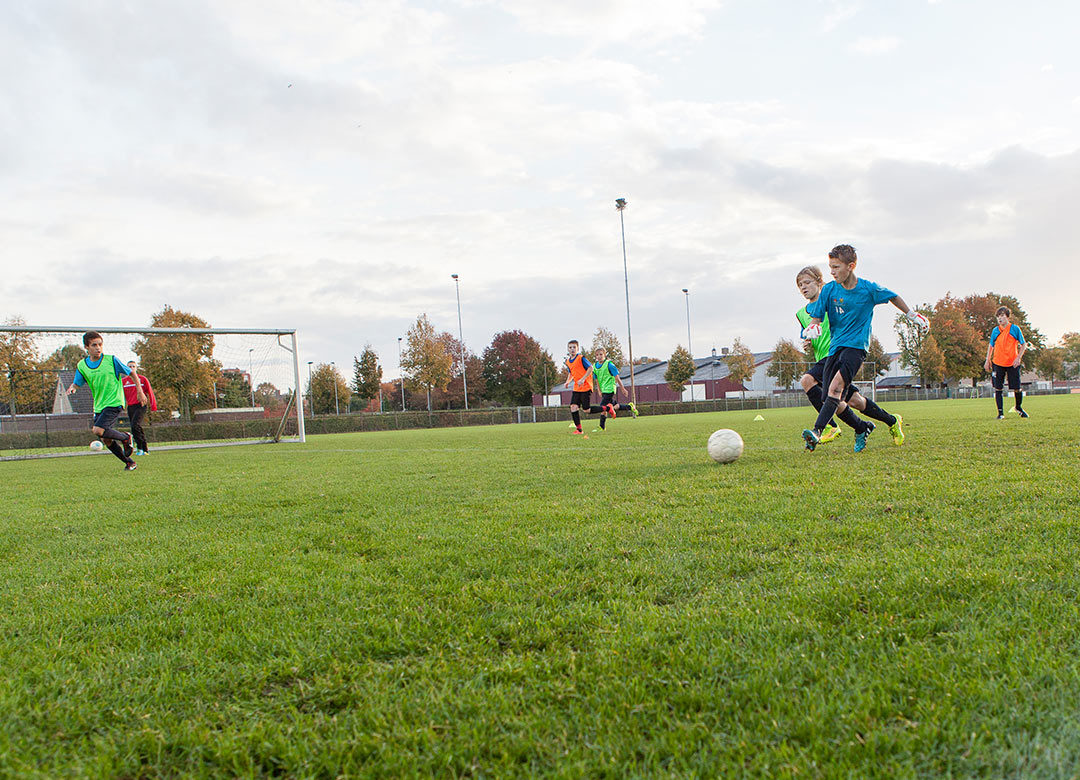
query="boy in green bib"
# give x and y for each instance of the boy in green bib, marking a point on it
(101, 373)
(607, 377)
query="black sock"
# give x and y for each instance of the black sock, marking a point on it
(814, 394)
(116, 450)
(1019, 395)
(603, 422)
(875, 412)
(998, 401)
(850, 418)
(577, 419)
(594, 409)
(828, 409)
(112, 433)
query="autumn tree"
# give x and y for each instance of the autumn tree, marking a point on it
(325, 380)
(680, 369)
(233, 389)
(876, 363)
(425, 361)
(1070, 355)
(787, 364)
(1050, 363)
(931, 361)
(268, 396)
(740, 362)
(545, 374)
(604, 338)
(909, 337)
(20, 383)
(182, 362)
(68, 356)
(367, 375)
(961, 344)
(509, 363)
(981, 313)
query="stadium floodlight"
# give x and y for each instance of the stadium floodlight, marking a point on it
(689, 346)
(401, 374)
(620, 206)
(39, 419)
(461, 338)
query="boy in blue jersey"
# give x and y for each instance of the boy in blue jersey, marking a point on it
(849, 302)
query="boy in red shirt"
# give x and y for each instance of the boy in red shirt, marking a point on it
(139, 397)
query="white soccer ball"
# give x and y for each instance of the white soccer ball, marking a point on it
(96, 445)
(725, 446)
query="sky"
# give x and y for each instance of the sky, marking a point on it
(327, 165)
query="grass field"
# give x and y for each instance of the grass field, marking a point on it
(517, 602)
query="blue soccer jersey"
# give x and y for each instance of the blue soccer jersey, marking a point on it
(849, 311)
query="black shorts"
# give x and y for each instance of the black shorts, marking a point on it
(846, 361)
(581, 398)
(818, 372)
(1000, 372)
(107, 417)
(607, 398)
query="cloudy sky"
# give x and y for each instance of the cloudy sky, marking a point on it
(326, 165)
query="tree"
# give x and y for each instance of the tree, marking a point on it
(787, 363)
(1070, 355)
(876, 363)
(68, 356)
(545, 374)
(324, 379)
(961, 344)
(367, 375)
(268, 397)
(20, 382)
(910, 338)
(425, 361)
(233, 389)
(931, 361)
(740, 363)
(1050, 363)
(680, 369)
(509, 364)
(185, 363)
(610, 343)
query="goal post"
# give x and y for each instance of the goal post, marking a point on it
(213, 386)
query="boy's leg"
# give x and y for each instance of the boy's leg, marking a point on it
(998, 383)
(1018, 394)
(103, 422)
(875, 412)
(839, 370)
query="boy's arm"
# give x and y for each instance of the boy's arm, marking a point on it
(138, 387)
(76, 383)
(1021, 348)
(917, 317)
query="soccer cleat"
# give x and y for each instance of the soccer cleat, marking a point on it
(633, 409)
(1000, 416)
(811, 439)
(610, 409)
(832, 432)
(1022, 413)
(897, 431)
(130, 466)
(577, 432)
(860, 438)
(128, 449)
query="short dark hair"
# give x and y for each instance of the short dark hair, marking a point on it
(572, 341)
(1003, 310)
(89, 336)
(845, 253)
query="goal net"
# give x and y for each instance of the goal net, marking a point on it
(212, 386)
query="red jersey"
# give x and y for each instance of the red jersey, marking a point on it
(131, 395)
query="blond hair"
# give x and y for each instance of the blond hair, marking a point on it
(812, 271)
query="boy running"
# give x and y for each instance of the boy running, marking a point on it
(607, 376)
(580, 370)
(139, 396)
(848, 302)
(809, 282)
(1003, 356)
(102, 374)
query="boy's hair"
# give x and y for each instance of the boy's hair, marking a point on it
(89, 336)
(572, 341)
(1003, 310)
(845, 253)
(812, 271)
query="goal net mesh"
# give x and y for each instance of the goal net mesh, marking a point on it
(212, 387)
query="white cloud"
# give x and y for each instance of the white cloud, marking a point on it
(841, 11)
(878, 45)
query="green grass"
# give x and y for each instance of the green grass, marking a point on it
(516, 602)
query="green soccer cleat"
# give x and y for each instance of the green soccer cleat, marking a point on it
(896, 431)
(832, 432)
(633, 409)
(860, 438)
(811, 439)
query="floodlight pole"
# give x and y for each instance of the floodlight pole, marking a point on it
(620, 206)
(461, 338)
(401, 374)
(333, 366)
(310, 395)
(689, 347)
(251, 376)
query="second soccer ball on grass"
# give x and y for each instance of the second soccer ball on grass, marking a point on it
(725, 446)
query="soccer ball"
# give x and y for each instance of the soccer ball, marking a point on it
(96, 446)
(725, 446)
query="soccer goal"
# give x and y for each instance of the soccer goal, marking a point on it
(213, 387)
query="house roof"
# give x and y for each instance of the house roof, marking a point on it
(81, 402)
